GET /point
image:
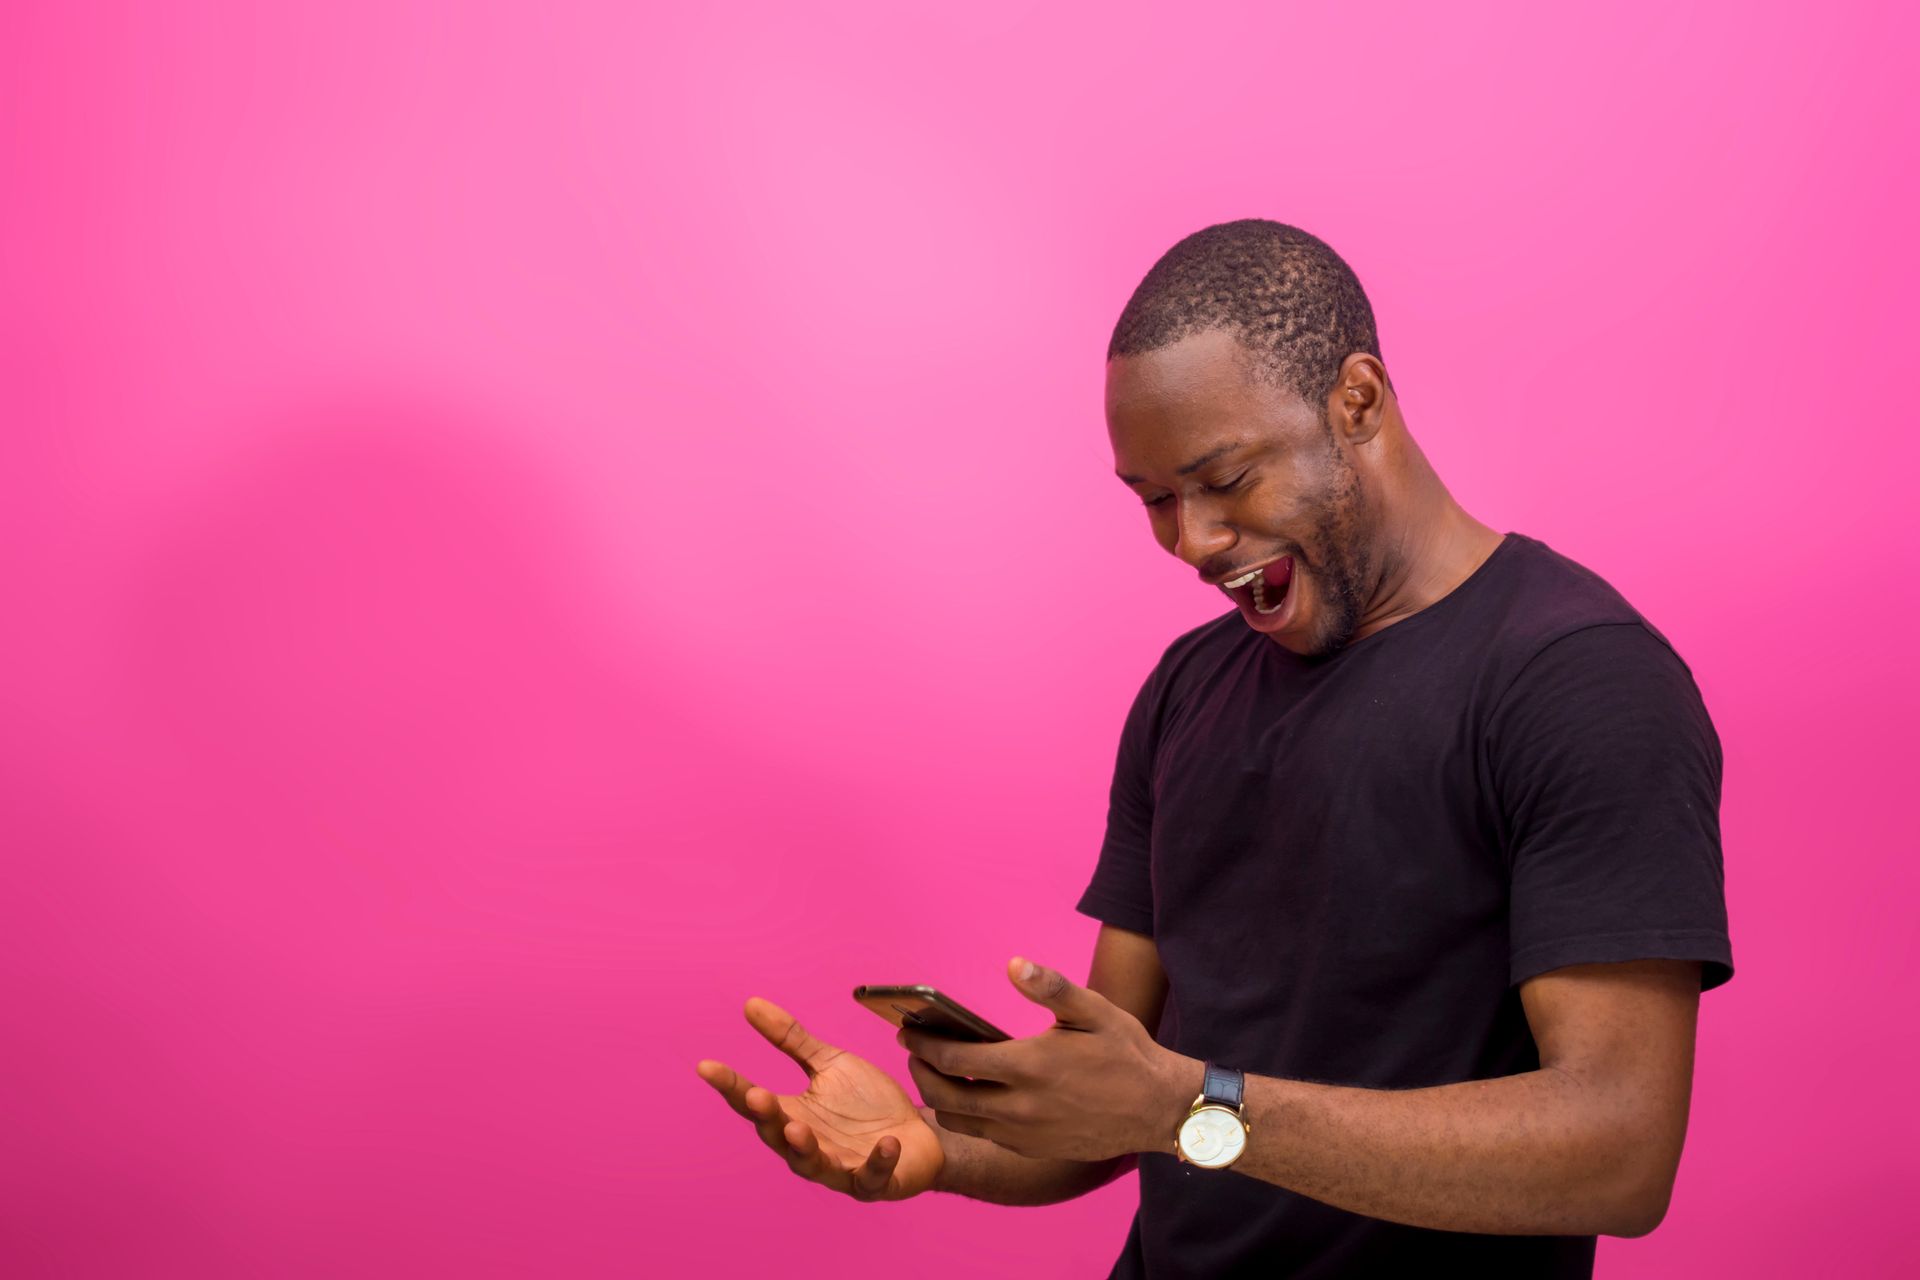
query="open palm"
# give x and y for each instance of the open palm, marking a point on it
(854, 1129)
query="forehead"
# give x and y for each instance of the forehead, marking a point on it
(1168, 406)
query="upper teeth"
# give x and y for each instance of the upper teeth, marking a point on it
(1243, 580)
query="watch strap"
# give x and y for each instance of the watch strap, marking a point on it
(1224, 1085)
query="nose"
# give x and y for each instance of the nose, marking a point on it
(1197, 536)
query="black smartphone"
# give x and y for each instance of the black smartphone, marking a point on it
(925, 1009)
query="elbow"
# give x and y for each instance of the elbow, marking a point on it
(1639, 1220)
(1643, 1207)
(1640, 1155)
(1638, 1224)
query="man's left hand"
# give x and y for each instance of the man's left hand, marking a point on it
(1093, 1086)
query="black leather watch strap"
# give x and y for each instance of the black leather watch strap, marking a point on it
(1224, 1085)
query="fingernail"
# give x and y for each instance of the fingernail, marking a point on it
(1026, 969)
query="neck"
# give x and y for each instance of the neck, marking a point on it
(1432, 548)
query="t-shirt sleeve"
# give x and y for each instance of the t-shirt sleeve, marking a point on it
(1121, 891)
(1607, 769)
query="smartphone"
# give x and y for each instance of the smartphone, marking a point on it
(926, 1009)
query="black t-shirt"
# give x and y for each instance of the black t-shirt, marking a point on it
(1348, 865)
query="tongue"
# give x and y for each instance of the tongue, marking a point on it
(1279, 573)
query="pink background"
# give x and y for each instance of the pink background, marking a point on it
(523, 526)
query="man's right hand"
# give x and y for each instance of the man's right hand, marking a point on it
(854, 1129)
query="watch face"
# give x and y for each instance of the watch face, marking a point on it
(1212, 1137)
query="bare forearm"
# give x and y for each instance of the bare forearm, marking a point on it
(1541, 1153)
(981, 1170)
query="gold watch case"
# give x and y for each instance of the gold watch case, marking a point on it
(1212, 1136)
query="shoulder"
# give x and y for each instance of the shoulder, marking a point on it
(1548, 611)
(1209, 641)
(1579, 674)
(1543, 595)
(1197, 654)
(1186, 662)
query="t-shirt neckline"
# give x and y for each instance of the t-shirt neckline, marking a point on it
(1445, 603)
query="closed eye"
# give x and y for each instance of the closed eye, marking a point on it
(1237, 483)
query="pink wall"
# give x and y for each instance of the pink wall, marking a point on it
(524, 526)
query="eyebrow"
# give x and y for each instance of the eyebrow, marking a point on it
(1197, 463)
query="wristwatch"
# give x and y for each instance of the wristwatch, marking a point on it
(1214, 1134)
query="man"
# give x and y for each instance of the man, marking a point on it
(1412, 875)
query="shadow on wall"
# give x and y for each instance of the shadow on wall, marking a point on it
(377, 639)
(345, 919)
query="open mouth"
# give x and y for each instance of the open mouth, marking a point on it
(1267, 592)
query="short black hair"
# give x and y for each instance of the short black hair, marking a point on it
(1282, 293)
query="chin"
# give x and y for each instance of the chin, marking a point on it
(1324, 640)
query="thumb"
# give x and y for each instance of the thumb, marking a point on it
(1070, 1002)
(784, 1032)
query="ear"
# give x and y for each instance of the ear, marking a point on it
(1357, 405)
